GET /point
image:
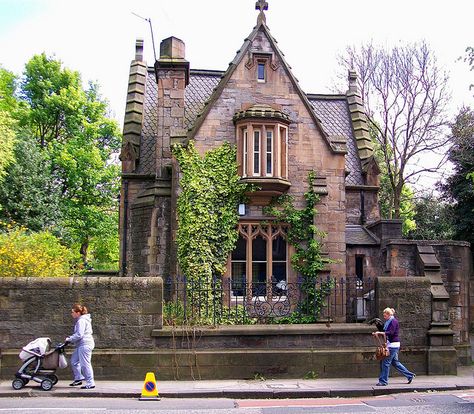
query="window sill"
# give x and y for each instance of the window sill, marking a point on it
(265, 188)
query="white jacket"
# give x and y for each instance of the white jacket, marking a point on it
(82, 332)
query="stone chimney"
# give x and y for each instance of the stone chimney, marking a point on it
(134, 111)
(359, 120)
(172, 77)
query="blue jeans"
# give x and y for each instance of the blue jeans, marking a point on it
(392, 360)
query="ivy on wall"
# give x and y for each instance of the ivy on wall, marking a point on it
(207, 211)
(308, 260)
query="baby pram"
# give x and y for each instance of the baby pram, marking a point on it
(40, 364)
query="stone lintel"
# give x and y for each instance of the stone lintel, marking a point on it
(179, 139)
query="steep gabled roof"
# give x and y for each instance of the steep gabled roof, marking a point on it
(336, 143)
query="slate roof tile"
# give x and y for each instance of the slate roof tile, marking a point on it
(335, 119)
(149, 129)
(359, 236)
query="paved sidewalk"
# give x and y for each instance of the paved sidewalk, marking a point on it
(240, 389)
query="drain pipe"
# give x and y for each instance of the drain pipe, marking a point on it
(125, 227)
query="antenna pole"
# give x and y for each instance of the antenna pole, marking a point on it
(152, 38)
(151, 30)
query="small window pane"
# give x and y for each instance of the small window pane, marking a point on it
(259, 277)
(238, 278)
(245, 154)
(256, 152)
(269, 152)
(239, 252)
(279, 272)
(259, 249)
(261, 71)
(279, 248)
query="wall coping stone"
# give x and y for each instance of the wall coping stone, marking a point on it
(428, 242)
(248, 330)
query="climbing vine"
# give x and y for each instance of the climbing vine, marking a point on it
(207, 215)
(308, 260)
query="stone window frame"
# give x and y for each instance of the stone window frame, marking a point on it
(269, 231)
(261, 70)
(245, 132)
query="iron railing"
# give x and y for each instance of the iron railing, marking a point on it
(346, 299)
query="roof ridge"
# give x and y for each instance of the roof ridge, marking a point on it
(327, 96)
(212, 72)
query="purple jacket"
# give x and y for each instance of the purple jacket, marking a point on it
(392, 331)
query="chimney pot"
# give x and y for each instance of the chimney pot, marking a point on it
(139, 50)
(352, 76)
(172, 48)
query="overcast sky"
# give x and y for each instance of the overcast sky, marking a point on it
(97, 37)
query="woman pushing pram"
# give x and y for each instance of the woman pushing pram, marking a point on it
(41, 360)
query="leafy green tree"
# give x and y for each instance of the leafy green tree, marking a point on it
(8, 101)
(459, 187)
(29, 196)
(76, 142)
(8, 104)
(433, 218)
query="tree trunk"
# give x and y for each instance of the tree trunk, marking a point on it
(83, 250)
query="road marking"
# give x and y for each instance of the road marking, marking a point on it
(52, 409)
(334, 402)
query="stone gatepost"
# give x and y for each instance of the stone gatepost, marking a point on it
(411, 299)
(442, 357)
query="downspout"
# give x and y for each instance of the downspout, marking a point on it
(125, 227)
(362, 207)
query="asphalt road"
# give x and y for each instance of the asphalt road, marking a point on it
(414, 403)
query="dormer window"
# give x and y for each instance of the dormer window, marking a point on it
(261, 72)
(262, 142)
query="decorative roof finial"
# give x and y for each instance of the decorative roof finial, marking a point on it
(261, 5)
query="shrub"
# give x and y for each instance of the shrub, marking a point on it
(34, 254)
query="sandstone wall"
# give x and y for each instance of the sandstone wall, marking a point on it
(124, 310)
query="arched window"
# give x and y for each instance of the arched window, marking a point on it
(262, 252)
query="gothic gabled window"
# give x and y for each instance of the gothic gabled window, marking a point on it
(260, 259)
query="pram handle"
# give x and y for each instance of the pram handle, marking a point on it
(62, 345)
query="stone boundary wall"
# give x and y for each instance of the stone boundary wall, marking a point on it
(245, 352)
(124, 310)
(130, 341)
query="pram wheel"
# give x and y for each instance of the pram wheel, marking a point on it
(18, 384)
(53, 378)
(46, 384)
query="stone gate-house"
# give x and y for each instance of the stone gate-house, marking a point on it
(281, 133)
